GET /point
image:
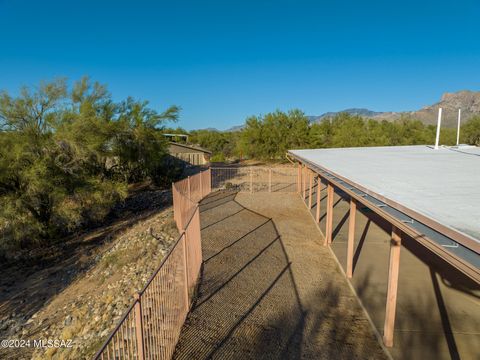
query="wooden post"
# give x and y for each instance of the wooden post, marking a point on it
(189, 190)
(393, 269)
(299, 178)
(139, 327)
(201, 185)
(351, 237)
(304, 183)
(301, 181)
(319, 185)
(269, 180)
(310, 191)
(251, 180)
(329, 222)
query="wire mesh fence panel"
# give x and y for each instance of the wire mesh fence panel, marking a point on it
(232, 179)
(122, 342)
(193, 251)
(151, 327)
(255, 179)
(195, 183)
(183, 208)
(165, 304)
(182, 187)
(260, 179)
(284, 179)
(206, 182)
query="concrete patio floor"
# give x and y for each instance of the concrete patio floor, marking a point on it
(269, 289)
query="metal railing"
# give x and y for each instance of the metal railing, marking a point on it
(151, 326)
(255, 179)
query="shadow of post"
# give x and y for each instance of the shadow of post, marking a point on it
(248, 304)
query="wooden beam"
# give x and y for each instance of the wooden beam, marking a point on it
(393, 269)
(310, 190)
(329, 222)
(351, 237)
(319, 185)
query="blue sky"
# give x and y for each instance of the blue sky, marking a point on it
(222, 61)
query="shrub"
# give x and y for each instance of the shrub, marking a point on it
(67, 156)
(219, 157)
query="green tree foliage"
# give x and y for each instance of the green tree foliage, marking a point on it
(269, 137)
(67, 156)
(222, 144)
(470, 132)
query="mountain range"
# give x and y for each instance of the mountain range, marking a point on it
(468, 101)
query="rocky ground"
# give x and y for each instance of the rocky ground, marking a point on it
(81, 291)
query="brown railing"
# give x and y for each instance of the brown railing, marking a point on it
(151, 326)
(186, 195)
(255, 179)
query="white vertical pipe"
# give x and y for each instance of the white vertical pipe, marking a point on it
(439, 123)
(458, 126)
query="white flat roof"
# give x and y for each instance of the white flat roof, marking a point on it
(442, 185)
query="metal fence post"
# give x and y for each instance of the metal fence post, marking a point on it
(139, 327)
(185, 262)
(270, 180)
(210, 180)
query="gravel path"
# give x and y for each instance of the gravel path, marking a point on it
(269, 289)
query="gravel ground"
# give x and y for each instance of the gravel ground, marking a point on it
(269, 289)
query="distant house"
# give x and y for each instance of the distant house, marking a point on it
(194, 155)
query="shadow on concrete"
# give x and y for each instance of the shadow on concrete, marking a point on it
(248, 304)
(358, 250)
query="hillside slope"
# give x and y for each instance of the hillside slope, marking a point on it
(468, 101)
(81, 290)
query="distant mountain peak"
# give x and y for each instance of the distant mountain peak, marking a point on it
(467, 100)
(352, 111)
(459, 94)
